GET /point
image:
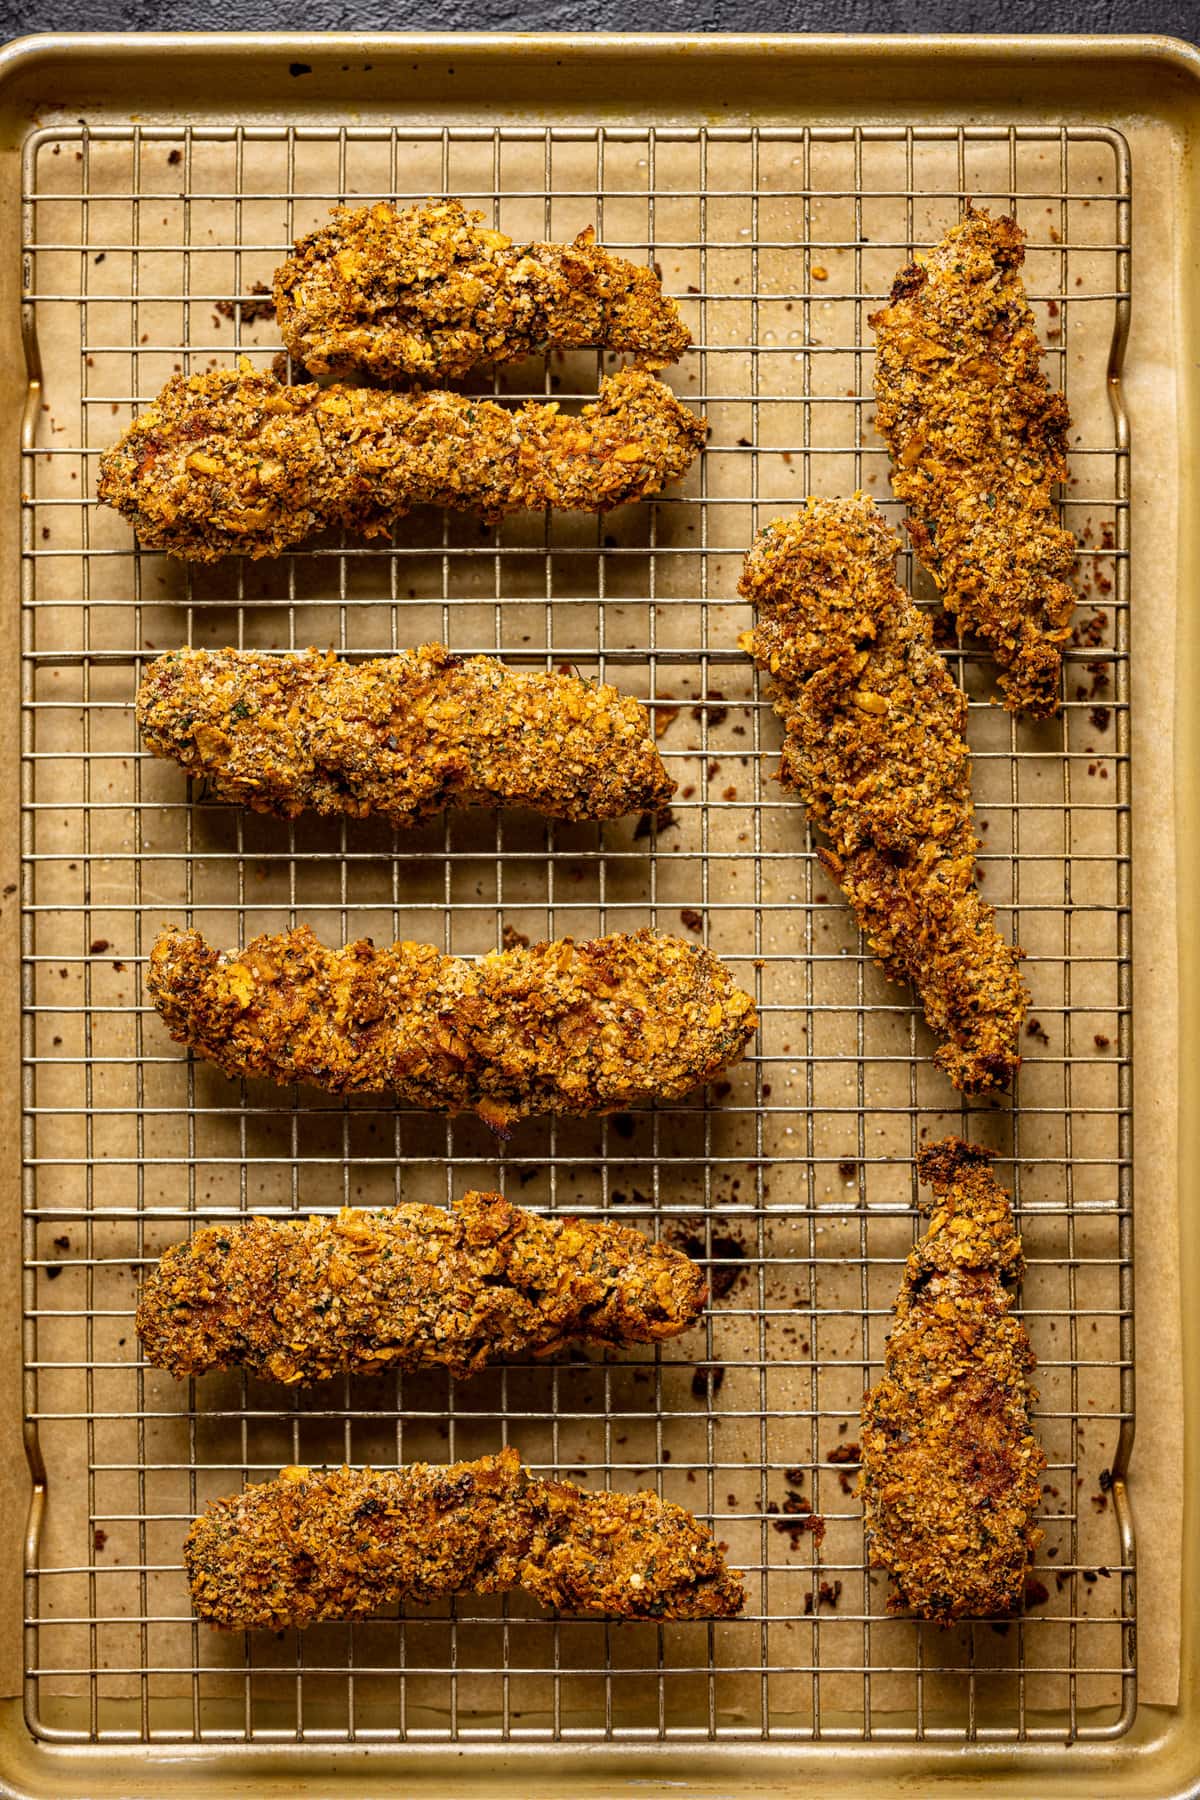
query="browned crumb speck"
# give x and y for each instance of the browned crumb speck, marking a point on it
(233, 463)
(340, 1544)
(411, 1287)
(558, 1027)
(978, 441)
(402, 737)
(875, 747)
(950, 1464)
(429, 293)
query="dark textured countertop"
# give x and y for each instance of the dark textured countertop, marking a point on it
(1178, 18)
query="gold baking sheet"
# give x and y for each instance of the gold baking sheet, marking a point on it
(818, 1129)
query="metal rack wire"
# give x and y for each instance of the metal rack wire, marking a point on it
(794, 1180)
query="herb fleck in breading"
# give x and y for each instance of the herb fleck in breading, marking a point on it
(559, 1027)
(402, 737)
(233, 463)
(978, 441)
(341, 1544)
(875, 747)
(411, 1287)
(950, 1464)
(431, 292)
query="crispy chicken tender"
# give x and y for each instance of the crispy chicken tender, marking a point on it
(410, 1287)
(403, 737)
(429, 293)
(233, 463)
(978, 441)
(558, 1027)
(875, 746)
(951, 1468)
(339, 1544)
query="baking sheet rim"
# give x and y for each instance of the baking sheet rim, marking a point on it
(1105, 51)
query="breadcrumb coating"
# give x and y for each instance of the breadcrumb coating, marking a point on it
(951, 1468)
(342, 1543)
(558, 1027)
(233, 463)
(410, 1287)
(874, 745)
(429, 293)
(978, 441)
(402, 736)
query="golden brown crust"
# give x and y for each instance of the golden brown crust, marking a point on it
(410, 1287)
(558, 1027)
(233, 463)
(978, 441)
(429, 293)
(402, 736)
(342, 1543)
(874, 745)
(950, 1465)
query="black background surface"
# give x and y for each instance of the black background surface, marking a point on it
(1180, 18)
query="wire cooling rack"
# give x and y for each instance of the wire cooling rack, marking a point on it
(146, 250)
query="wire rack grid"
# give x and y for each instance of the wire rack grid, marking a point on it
(147, 250)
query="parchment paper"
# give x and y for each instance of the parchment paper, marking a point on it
(821, 1231)
(1158, 613)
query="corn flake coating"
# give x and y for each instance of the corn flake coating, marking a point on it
(874, 744)
(233, 463)
(558, 1027)
(951, 1468)
(342, 1543)
(429, 293)
(410, 1287)
(402, 736)
(978, 441)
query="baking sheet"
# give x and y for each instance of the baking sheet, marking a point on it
(821, 1209)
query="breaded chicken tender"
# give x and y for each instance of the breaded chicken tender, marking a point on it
(233, 463)
(429, 293)
(559, 1027)
(401, 737)
(411, 1287)
(339, 1544)
(951, 1468)
(874, 744)
(978, 441)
